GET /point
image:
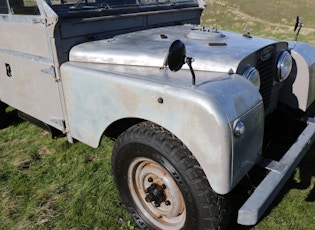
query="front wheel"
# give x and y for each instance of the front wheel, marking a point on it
(162, 184)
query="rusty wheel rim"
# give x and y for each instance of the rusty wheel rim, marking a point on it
(156, 194)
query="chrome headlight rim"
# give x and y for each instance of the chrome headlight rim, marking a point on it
(252, 74)
(284, 66)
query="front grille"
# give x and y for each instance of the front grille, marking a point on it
(266, 71)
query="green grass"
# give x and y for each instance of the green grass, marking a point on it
(273, 19)
(50, 184)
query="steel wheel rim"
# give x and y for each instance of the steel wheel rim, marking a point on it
(144, 175)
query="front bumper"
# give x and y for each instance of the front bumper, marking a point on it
(255, 206)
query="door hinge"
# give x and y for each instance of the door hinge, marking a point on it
(40, 21)
(51, 71)
(60, 122)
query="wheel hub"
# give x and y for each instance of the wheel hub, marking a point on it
(156, 194)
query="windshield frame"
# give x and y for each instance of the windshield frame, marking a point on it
(95, 8)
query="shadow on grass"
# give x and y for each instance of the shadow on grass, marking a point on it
(11, 118)
(307, 172)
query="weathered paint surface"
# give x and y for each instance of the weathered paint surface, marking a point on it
(149, 48)
(201, 117)
(26, 50)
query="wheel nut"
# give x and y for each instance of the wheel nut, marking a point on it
(150, 179)
(167, 203)
(150, 197)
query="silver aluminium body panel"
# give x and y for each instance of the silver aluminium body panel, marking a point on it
(131, 75)
(150, 47)
(302, 87)
(27, 66)
(201, 117)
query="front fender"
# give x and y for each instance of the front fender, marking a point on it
(299, 91)
(201, 117)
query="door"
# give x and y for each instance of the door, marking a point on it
(27, 75)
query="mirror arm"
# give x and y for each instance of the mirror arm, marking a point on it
(298, 25)
(189, 60)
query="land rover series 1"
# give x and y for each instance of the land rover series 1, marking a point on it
(187, 105)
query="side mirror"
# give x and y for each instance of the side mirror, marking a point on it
(176, 58)
(298, 25)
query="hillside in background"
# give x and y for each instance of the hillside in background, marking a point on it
(273, 19)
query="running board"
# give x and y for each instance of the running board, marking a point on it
(255, 206)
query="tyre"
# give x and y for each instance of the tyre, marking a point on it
(162, 184)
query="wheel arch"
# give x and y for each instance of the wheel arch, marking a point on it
(118, 127)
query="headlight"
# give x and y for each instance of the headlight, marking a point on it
(252, 75)
(284, 65)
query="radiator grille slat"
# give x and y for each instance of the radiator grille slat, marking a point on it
(266, 72)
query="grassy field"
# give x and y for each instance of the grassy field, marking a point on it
(273, 19)
(49, 184)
